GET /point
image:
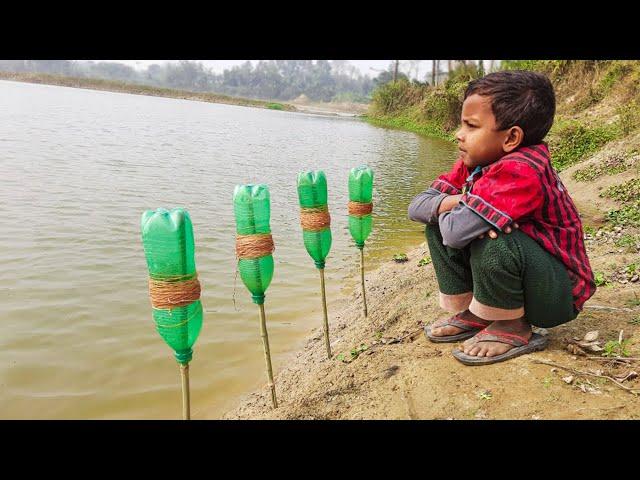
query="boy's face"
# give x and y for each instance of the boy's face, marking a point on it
(478, 140)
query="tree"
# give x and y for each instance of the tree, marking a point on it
(433, 72)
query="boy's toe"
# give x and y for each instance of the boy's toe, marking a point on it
(474, 350)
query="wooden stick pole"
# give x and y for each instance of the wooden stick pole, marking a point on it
(267, 355)
(186, 403)
(364, 295)
(326, 319)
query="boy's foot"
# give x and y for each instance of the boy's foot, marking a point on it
(456, 328)
(519, 331)
(501, 341)
(443, 327)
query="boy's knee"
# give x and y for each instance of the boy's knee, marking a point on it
(491, 254)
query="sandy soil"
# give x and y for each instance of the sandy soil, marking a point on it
(343, 109)
(401, 375)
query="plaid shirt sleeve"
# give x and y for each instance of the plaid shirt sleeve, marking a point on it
(451, 183)
(509, 191)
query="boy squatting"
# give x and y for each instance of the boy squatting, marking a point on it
(536, 271)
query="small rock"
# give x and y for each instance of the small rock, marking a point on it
(554, 369)
(535, 417)
(391, 371)
(568, 379)
(591, 336)
(635, 278)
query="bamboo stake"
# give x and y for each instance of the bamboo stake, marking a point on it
(324, 308)
(364, 296)
(267, 355)
(186, 403)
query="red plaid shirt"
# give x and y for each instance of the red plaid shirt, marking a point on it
(523, 187)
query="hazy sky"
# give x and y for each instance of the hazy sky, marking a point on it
(365, 66)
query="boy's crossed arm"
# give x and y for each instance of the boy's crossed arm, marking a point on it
(459, 225)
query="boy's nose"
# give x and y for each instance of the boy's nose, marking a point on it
(459, 136)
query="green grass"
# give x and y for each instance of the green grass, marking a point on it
(485, 395)
(625, 193)
(275, 106)
(600, 279)
(614, 74)
(614, 163)
(431, 129)
(628, 242)
(627, 215)
(424, 261)
(573, 141)
(614, 348)
(400, 257)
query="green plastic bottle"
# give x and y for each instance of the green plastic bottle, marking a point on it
(360, 190)
(312, 193)
(167, 238)
(251, 205)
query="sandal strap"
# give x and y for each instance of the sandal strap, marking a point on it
(501, 337)
(466, 325)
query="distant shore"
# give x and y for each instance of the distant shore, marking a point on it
(341, 109)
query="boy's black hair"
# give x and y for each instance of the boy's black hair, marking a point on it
(519, 98)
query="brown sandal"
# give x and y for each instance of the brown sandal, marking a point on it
(521, 346)
(471, 327)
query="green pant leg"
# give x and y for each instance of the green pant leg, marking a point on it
(548, 288)
(514, 271)
(452, 266)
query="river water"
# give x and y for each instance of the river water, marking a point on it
(78, 168)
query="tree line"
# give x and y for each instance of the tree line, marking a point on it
(286, 80)
(319, 80)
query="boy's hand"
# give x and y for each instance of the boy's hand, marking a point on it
(448, 203)
(492, 233)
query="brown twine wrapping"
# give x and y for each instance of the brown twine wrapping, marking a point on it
(167, 295)
(254, 246)
(359, 209)
(315, 219)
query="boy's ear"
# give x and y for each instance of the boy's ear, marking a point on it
(515, 136)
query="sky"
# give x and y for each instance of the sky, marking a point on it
(367, 67)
